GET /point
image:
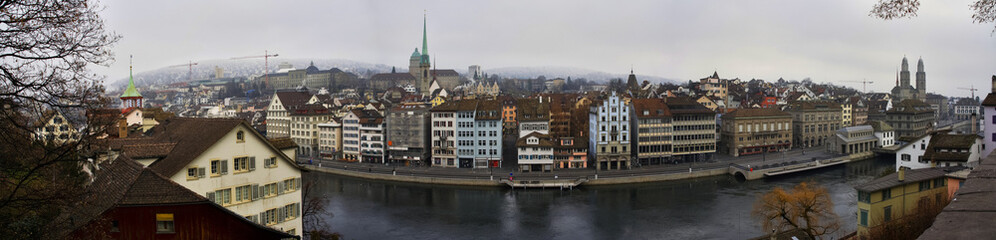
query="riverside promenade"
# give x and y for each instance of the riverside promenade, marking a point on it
(566, 178)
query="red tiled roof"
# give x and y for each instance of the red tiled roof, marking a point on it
(650, 108)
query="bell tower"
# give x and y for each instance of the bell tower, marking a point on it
(131, 98)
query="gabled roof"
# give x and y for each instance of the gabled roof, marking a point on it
(950, 142)
(443, 73)
(815, 105)
(282, 143)
(530, 109)
(757, 113)
(967, 101)
(148, 150)
(488, 109)
(911, 106)
(650, 108)
(881, 126)
(192, 137)
(368, 116)
(123, 182)
(912, 176)
(990, 100)
(544, 140)
(293, 99)
(685, 105)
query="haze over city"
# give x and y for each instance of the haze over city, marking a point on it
(828, 41)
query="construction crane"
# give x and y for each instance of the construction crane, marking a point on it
(266, 63)
(864, 84)
(190, 68)
(972, 89)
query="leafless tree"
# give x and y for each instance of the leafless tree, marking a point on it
(983, 11)
(806, 207)
(45, 49)
(313, 213)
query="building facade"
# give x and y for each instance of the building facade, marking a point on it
(304, 127)
(408, 134)
(988, 117)
(330, 139)
(884, 133)
(911, 118)
(535, 152)
(570, 152)
(815, 122)
(443, 134)
(652, 120)
(756, 131)
(965, 108)
(231, 164)
(899, 194)
(609, 135)
(278, 120)
(694, 130)
(852, 140)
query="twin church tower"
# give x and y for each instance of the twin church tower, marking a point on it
(903, 90)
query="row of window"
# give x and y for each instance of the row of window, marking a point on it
(252, 192)
(220, 167)
(277, 215)
(762, 127)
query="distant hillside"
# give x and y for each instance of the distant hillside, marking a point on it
(243, 68)
(250, 67)
(563, 72)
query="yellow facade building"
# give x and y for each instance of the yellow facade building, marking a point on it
(899, 194)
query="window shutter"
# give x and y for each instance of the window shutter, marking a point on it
(255, 191)
(252, 163)
(224, 166)
(281, 214)
(297, 210)
(201, 172)
(210, 196)
(280, 187)
(297, 183)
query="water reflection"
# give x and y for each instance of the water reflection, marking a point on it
(710, 208)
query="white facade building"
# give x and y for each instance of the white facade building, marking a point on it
(443, 139)
(884, 133)
(231, 164)
(535, 152)
(910, 156)
(988, 117)
(330, 139)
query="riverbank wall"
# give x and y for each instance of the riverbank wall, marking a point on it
(591, 180)
(408, 178)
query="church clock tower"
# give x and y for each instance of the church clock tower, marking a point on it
(131, 98)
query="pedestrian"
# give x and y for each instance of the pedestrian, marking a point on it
(369, 169)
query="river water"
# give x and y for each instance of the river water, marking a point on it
(716, 207)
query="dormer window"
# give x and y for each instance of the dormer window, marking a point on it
(240, 136)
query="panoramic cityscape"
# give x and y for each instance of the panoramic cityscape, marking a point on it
(497, 120)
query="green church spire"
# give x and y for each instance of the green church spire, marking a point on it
(425, 44)
(130, 91)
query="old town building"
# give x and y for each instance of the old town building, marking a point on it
(408, 134)
(755, 131)
(694, 130)
(911, 118)
(652, 119)
(815, 122)
(609, 135)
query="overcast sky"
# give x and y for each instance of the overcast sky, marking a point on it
(834, 41)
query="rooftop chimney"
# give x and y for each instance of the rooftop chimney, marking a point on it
(902, 174)
(994, 83)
